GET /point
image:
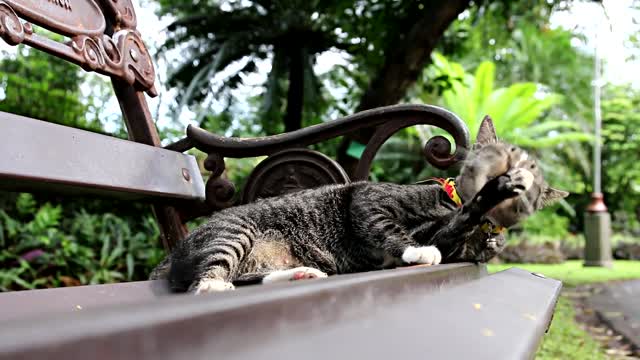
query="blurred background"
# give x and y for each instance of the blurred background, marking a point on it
(252, 68)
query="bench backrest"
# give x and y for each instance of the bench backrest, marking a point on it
(35, 155)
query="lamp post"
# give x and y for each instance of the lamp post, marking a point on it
(597, 220)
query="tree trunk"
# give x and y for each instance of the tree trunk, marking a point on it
(404, 63)
(295, 93)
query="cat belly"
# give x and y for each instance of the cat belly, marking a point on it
(270, 255)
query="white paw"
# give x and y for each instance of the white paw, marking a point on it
(522, 180)
(299, 273)
(429, 255)
(213, 285)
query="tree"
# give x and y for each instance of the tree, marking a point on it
(387, 44)
(621, 146)
(220, 35)
(41, 86)
(451, 25)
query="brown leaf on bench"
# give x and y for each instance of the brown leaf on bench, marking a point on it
(70, 281)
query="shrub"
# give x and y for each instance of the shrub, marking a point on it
(44, 247)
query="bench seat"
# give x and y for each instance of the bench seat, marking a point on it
(451, 311)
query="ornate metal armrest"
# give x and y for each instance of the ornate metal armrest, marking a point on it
(290, 166)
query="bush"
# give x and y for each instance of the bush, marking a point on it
(547, 222)
(42, 246)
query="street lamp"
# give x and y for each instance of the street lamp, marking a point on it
(597, 220)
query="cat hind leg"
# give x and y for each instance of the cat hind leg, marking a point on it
(298, 273)
(206, 285)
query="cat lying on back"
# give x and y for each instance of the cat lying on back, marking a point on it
(364, 226)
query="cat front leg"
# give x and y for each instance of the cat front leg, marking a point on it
(423, 255)
(399, 244)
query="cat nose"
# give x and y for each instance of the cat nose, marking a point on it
(524, 156)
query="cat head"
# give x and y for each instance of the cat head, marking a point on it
(489, 158)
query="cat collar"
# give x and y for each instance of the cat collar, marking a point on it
(449, 186)
(489, 228)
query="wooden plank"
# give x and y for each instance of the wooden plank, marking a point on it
(70, 300)
(37, 155)
(442, 312)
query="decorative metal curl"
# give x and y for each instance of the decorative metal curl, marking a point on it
(137, 66)
(122, 56)
(438, 153)
(91, 51)
(113, 56)
(11, 29)
(219, 191)
(122, 13)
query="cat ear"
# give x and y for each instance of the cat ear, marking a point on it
(486, 133)
(550, 196)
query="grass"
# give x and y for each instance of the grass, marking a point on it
(572, 273)
(565, 339)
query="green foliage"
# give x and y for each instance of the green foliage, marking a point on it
(518, 111)
(43, 247)
(621, 146)
(566, 339)
(547, 222)
(41, 86)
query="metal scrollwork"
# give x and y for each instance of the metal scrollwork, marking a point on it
(292, 170)
(11, 29)
(437, 151)
(219, 190)
(122, 55)
(91, 51)
(124, 17)
(291, 167)
(137, 66)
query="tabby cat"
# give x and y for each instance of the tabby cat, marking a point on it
(364, 226)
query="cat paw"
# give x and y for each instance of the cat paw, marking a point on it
(492, 244)
(212, 285)
(299, 273)
(427, 255)
(520, 180)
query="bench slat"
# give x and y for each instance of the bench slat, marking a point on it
(37, 155)
(401, 313)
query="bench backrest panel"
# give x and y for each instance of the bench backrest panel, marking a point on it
(36, 152)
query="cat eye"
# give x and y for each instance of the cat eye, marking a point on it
(533, 166)
(513, 148)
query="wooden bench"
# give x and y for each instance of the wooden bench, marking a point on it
(447, 311)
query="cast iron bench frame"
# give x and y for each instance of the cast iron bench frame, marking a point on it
(451, 311)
